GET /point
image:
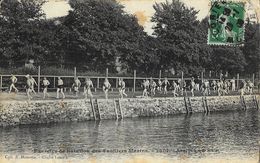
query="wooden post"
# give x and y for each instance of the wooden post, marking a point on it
(39, 78)
(117, 82)
(1, 83)
(253, 78)
(202, 76)
(160, 74)
(237, 82)
(182, 83)
(210, 74)
(97, 82)
(106, 72)
(75, 72)
(54, 81)
(134, 79)
(115, 108)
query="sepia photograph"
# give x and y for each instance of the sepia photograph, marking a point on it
(130, 81)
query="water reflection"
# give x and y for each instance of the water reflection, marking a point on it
(230, 133)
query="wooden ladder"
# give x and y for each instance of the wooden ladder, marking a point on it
(205, 104)
(188, 105)
(118, 109)
(256, 102)
(95, 109)
(243, 103)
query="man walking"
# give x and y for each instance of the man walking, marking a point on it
(28, 87)
(121, 86)
(33, 82)
(76, 85)
(60, 88)
(13, 81)
(87, 88)
(45, 83)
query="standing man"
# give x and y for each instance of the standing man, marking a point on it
(76, 85)
(28, 87)
(159, 88)
(33, 83)
(45, 83)
(121, 85)
(206, 88)
(179, 83)
(106, 87)
(60, 88)
(145, 85)
(197, 83)
(233, 84)
(13, 81)
(87, 88)
(165, 85)
(220, 87)
(183, 87)
(152, 87)
(174, 88)
(214, 85)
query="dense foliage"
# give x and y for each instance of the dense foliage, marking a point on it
(99, 34)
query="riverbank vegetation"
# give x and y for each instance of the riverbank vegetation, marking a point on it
(99, 34)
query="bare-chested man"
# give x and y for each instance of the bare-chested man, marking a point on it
(106, 87)
(45, 83)
(87, 88)
(28, 87)
(13, 81)
(174, 88)
(33, 83)
(165, 85)
(60, 88)
(145, 85)
(76, 85)
(121, 87)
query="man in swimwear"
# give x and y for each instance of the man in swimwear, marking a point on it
(76, 85)
(87, 88)
(13, 81)
(152, 87)
(45, 83)
(28, 87)
(60, 88)
(33, 83)
(174, 88)
(165, 85)
(145, 85)
(106, 87)
(121, 86)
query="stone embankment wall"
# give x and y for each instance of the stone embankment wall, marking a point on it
(49, 111)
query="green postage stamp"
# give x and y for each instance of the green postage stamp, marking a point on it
(226, 23)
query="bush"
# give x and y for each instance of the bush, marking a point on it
(18, 71)
(55, 72)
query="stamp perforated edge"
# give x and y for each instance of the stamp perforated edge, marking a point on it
(229, 44)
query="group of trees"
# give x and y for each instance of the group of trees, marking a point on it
(98, 33)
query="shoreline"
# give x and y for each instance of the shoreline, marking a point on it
(14, 112)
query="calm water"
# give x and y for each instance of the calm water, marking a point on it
(226, 133)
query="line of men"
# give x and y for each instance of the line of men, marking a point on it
(88, 85)
(222, 86)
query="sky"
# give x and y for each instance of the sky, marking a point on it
(143, 9)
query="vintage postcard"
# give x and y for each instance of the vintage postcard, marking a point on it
(130, 81)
